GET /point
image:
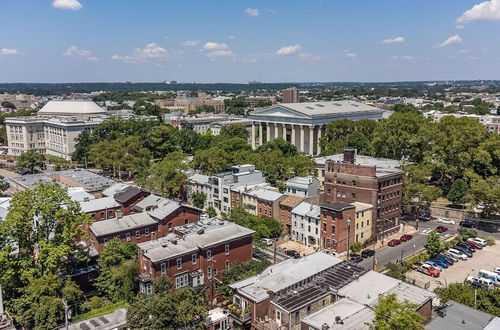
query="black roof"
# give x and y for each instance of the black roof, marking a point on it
(337, 206)
(319, 286)
(127, 194)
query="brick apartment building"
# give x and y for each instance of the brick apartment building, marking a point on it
(351, 178)
(337, 226)
(102, 208)
(195, 254)
(152, 218)
(286, 206)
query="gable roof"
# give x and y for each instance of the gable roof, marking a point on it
(116, 225)
(98, 204)
(127, 194)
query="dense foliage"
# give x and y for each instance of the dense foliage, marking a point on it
(391, 314)
(465, 293)
(263, 226)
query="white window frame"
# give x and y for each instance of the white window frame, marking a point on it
(146, 231)
(163, 268)
(178, 262)
(209, 272)
(226, 249)
(181, 281)
(209, 254)
(137, 232)
(194, 258)
(128, 236)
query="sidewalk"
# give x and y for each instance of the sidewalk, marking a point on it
(292, 245)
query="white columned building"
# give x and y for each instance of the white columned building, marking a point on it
(303, 124)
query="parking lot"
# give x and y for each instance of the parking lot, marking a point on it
(488, 258)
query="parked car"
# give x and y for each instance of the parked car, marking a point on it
(367, 253)
(465, 251)
(204, 216)
(478, 240)
(446, 220)
(292, 253)
(466, 246)
(467, 224)
(394, 242)
(22, 172)
(458, 254)
(424, 218)
(474, 245)
(433, 264)
(497, 270)
(356, 258)
(447, 258)
(446, 254)
(426, 269)
(439, 262)
(494, 277)
(481, 282)
(268, 241)
(259, 255)
(405, 237)
(441, 229)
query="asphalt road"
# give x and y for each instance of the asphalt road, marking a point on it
(388, 254)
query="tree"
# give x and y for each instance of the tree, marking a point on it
(280, 144)
(465, 293)
(118, 271)
(397, 270)
(391, 314)
(199, 199)
(185, 308)
(30, 159)
(263, 226)
(235, 130)
(162, 140)
(212, 213)
(210, 161)
(434, 245)
(8, 104)
(82, 147)
(458, 192)
(167, 177)
(486, 195)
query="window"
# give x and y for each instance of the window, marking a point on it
(361, 235)
(102, 214)
(354, 182)
(169, 226)
(278, 315)
(353, 195)
(225, 190)
(324, 226)
(186, 221)
(110, 213)
(146, 232)
(226, 265)
(179, 263)
(181, 281)
(367, 222)
(105, 241)
(128, 236)
(226, 249)
(209, 254)
(209, 272)
(137, 234)
(163, 268)
(328, 191)
(194, 257)
(333, 229)
(357, 226)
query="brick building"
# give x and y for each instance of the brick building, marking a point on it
(351, 178)
(102, 208)
(195, 254)
(337, 226)
(286, 205)
(130, 196)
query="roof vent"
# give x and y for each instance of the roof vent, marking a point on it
(201, 231)
(338, 320)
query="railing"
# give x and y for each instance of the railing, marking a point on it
(241, 317)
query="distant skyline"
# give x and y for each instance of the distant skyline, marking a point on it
(239, 41)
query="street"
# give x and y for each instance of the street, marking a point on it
(388, 254)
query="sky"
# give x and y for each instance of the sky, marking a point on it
(241, 40)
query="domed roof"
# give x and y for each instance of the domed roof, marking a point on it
(71, 108)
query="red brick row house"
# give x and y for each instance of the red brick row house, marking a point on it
(195, 254)
(337, 221)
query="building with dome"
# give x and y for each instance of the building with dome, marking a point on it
(55, 128)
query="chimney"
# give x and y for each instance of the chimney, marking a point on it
(350, 156)
(325, 326)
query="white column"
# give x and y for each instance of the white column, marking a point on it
(320, 131)
(276, 130)
(311, 140)
(253, 135)
(260, 134)
(284, 132)
(268, 132)
(293, 134)
(302, 133)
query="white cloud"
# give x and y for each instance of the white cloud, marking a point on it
(214, 45)
(9, 51)
(394, 40)
(459, 27)
(151, 52)
(484, 11)
(287, 50)
(67, 4)
(252, 12)
(403, 57)
(83, 53)
(309, 56)
(190, 43)
(232, 37)
(451, 40)
(220, 53)
(272, 12)
(463, 51)
(350, 54)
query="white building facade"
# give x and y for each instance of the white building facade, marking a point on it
(306, 224)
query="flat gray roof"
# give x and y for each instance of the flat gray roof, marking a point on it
(384, 166)
(98, 204)
(116, 225)
(458, 316)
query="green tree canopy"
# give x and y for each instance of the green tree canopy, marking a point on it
(30, 159)
(391, 314)
(465, 293)
(434, 244)
(458, 192)
(235, 130)
(199, 199)
(263, 226)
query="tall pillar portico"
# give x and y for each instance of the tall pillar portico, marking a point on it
(275, 130)
(253, 135)
(320, 133)
(260, 134)
(302, 133)
(311, 140)
(284, 132)
(293, 134)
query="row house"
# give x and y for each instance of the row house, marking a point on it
(263, 202)
(351, 178)
(363, 227)
(151, 218)
(286, 206)
(130, 196)
(195, 254)
(301, 294)
(306, 224)
(102, 208)
(237, 198)
(337, 226)
(303, 186)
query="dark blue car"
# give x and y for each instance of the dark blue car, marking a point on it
(439, 262)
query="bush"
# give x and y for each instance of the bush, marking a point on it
(398, 270)
(356, 248)
(466, 233)
(490, 240)
(423, 256)
(93, 303)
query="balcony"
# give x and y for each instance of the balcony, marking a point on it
(241, 317)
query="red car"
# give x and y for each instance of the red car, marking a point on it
(474, 245)
(441, 229)
(405, 237)
(394, 242)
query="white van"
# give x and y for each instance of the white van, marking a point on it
(481, 282)
(458, 254)
(478, 240)
(494, 277)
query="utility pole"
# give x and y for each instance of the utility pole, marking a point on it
(66, 308)
(275, 242)
(402, 252)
